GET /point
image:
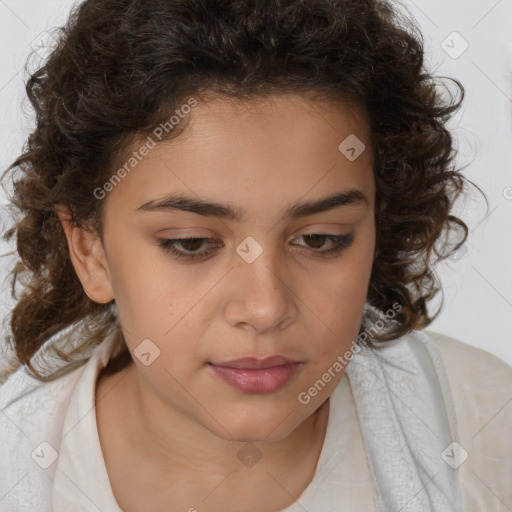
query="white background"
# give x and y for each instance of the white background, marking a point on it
(478, 284)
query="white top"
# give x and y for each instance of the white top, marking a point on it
(51, 458)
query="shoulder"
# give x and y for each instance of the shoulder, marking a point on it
(481, 387)
(472, 369)
(32, 415)
(481, 384)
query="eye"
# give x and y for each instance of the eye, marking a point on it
(190, 246)
(338, 243)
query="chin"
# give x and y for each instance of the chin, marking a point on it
(255, 427)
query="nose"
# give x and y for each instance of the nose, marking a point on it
(261, 297)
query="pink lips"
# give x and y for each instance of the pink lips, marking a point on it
(257, 376)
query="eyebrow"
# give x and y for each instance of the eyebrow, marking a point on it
(232, 213)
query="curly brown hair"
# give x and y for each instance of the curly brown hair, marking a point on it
(120, 67)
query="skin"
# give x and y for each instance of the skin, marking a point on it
(170, 432)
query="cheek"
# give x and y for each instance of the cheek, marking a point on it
(145, 290)
(338, 319)
(338, 301)
(158, 300)
(342, 287)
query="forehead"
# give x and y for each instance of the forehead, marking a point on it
(274, 120)
(274, 148)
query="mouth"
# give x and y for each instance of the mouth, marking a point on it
(256, 376)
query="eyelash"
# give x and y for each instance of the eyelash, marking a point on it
(341, 242)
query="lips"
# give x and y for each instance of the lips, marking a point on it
(256, 376)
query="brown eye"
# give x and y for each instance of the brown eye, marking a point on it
(338, 242)
(315, 241)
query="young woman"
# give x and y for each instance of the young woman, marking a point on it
(229, 217)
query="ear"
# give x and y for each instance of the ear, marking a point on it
(88, 257)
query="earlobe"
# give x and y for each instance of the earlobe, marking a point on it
(88, 257)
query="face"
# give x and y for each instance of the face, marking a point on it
(275, 277)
